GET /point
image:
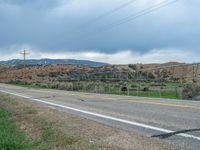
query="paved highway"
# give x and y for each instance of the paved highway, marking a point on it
(173, 121)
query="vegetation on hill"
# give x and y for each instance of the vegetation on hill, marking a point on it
(164, 82)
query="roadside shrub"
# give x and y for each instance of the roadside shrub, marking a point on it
(90, 87)
(151, 75)
(132, 66)
(62, 86)
(66, 86)
(124, 89)
(145, 89)
(134, 85)
(190, 91)
(14, 82)
(19, 82)
(53, 85)
(77, 86)
(44, 85)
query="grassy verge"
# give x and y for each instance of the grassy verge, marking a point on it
(170, 90)
(154, 94)
(10, 137)
(23, 128)
(153, 90)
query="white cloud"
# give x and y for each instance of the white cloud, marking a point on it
(129, 56)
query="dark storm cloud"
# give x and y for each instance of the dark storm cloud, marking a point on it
(59, 25)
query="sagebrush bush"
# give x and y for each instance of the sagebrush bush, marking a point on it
(190, 91)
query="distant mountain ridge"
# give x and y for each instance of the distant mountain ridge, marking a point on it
(53, 61)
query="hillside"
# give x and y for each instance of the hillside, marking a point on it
(69, 72)
(151, 80)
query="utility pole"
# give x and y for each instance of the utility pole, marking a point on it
(25, 53)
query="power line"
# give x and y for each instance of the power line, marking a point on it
(109, 13)
(128, 19)
(95, 20)
(141, 13)
(131, 18)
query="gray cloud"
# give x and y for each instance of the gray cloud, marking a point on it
(58, 25)
(36, 4)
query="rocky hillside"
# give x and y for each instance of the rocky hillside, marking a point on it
(66, 72)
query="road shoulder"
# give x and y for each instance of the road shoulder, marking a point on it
(73, 131)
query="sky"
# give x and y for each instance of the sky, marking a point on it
(112, 31)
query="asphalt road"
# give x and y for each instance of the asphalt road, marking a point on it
(173, 121)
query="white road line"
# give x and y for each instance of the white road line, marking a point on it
(104, 116)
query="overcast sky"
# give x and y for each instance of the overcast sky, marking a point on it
(86, 29)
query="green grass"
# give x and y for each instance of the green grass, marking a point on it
(10, 137)
(167, 90)
(156, 94)
(151, 94)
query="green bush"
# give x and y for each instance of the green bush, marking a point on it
(44, 85)
(65, 86)
(53, 85)
(151, 75)
(134, 85)
(145, 89)
(77, 86)
(132, 66)
(190, 91)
